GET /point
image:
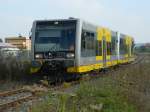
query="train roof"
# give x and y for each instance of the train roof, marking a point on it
(90, 23)
(56, 19)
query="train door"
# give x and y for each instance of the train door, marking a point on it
(99, 45)
(129, 50)
(127, 47)
(104, 51)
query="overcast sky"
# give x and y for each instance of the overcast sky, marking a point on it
(131, 17)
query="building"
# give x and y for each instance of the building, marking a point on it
(6, 49)
(20, 42)
(147, 45)
(6, 45)
(1, 40)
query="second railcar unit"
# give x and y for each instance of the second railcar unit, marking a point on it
(77, 46)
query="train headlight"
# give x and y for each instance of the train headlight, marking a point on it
(70, 55)
(38, 56)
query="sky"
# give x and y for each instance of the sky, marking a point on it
(130, 17)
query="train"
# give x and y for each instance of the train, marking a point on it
(75, 46)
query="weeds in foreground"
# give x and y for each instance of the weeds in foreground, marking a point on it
(104, 97)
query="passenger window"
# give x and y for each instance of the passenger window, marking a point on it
(98, 48)
(132, 48)
(123, 46)
(87, 44)
(83, 46)
(113, 45)
(108, 48)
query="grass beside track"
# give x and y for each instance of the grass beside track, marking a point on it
(126, 89)
(89, 97)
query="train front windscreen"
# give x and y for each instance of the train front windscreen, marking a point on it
(55, 39)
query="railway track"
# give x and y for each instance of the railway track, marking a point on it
(138, 60)
(11, 98)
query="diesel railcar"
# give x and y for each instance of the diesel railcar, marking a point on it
(75, 46)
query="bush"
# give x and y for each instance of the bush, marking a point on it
(13, 69)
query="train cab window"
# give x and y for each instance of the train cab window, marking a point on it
(108, 48)
(87, 44)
